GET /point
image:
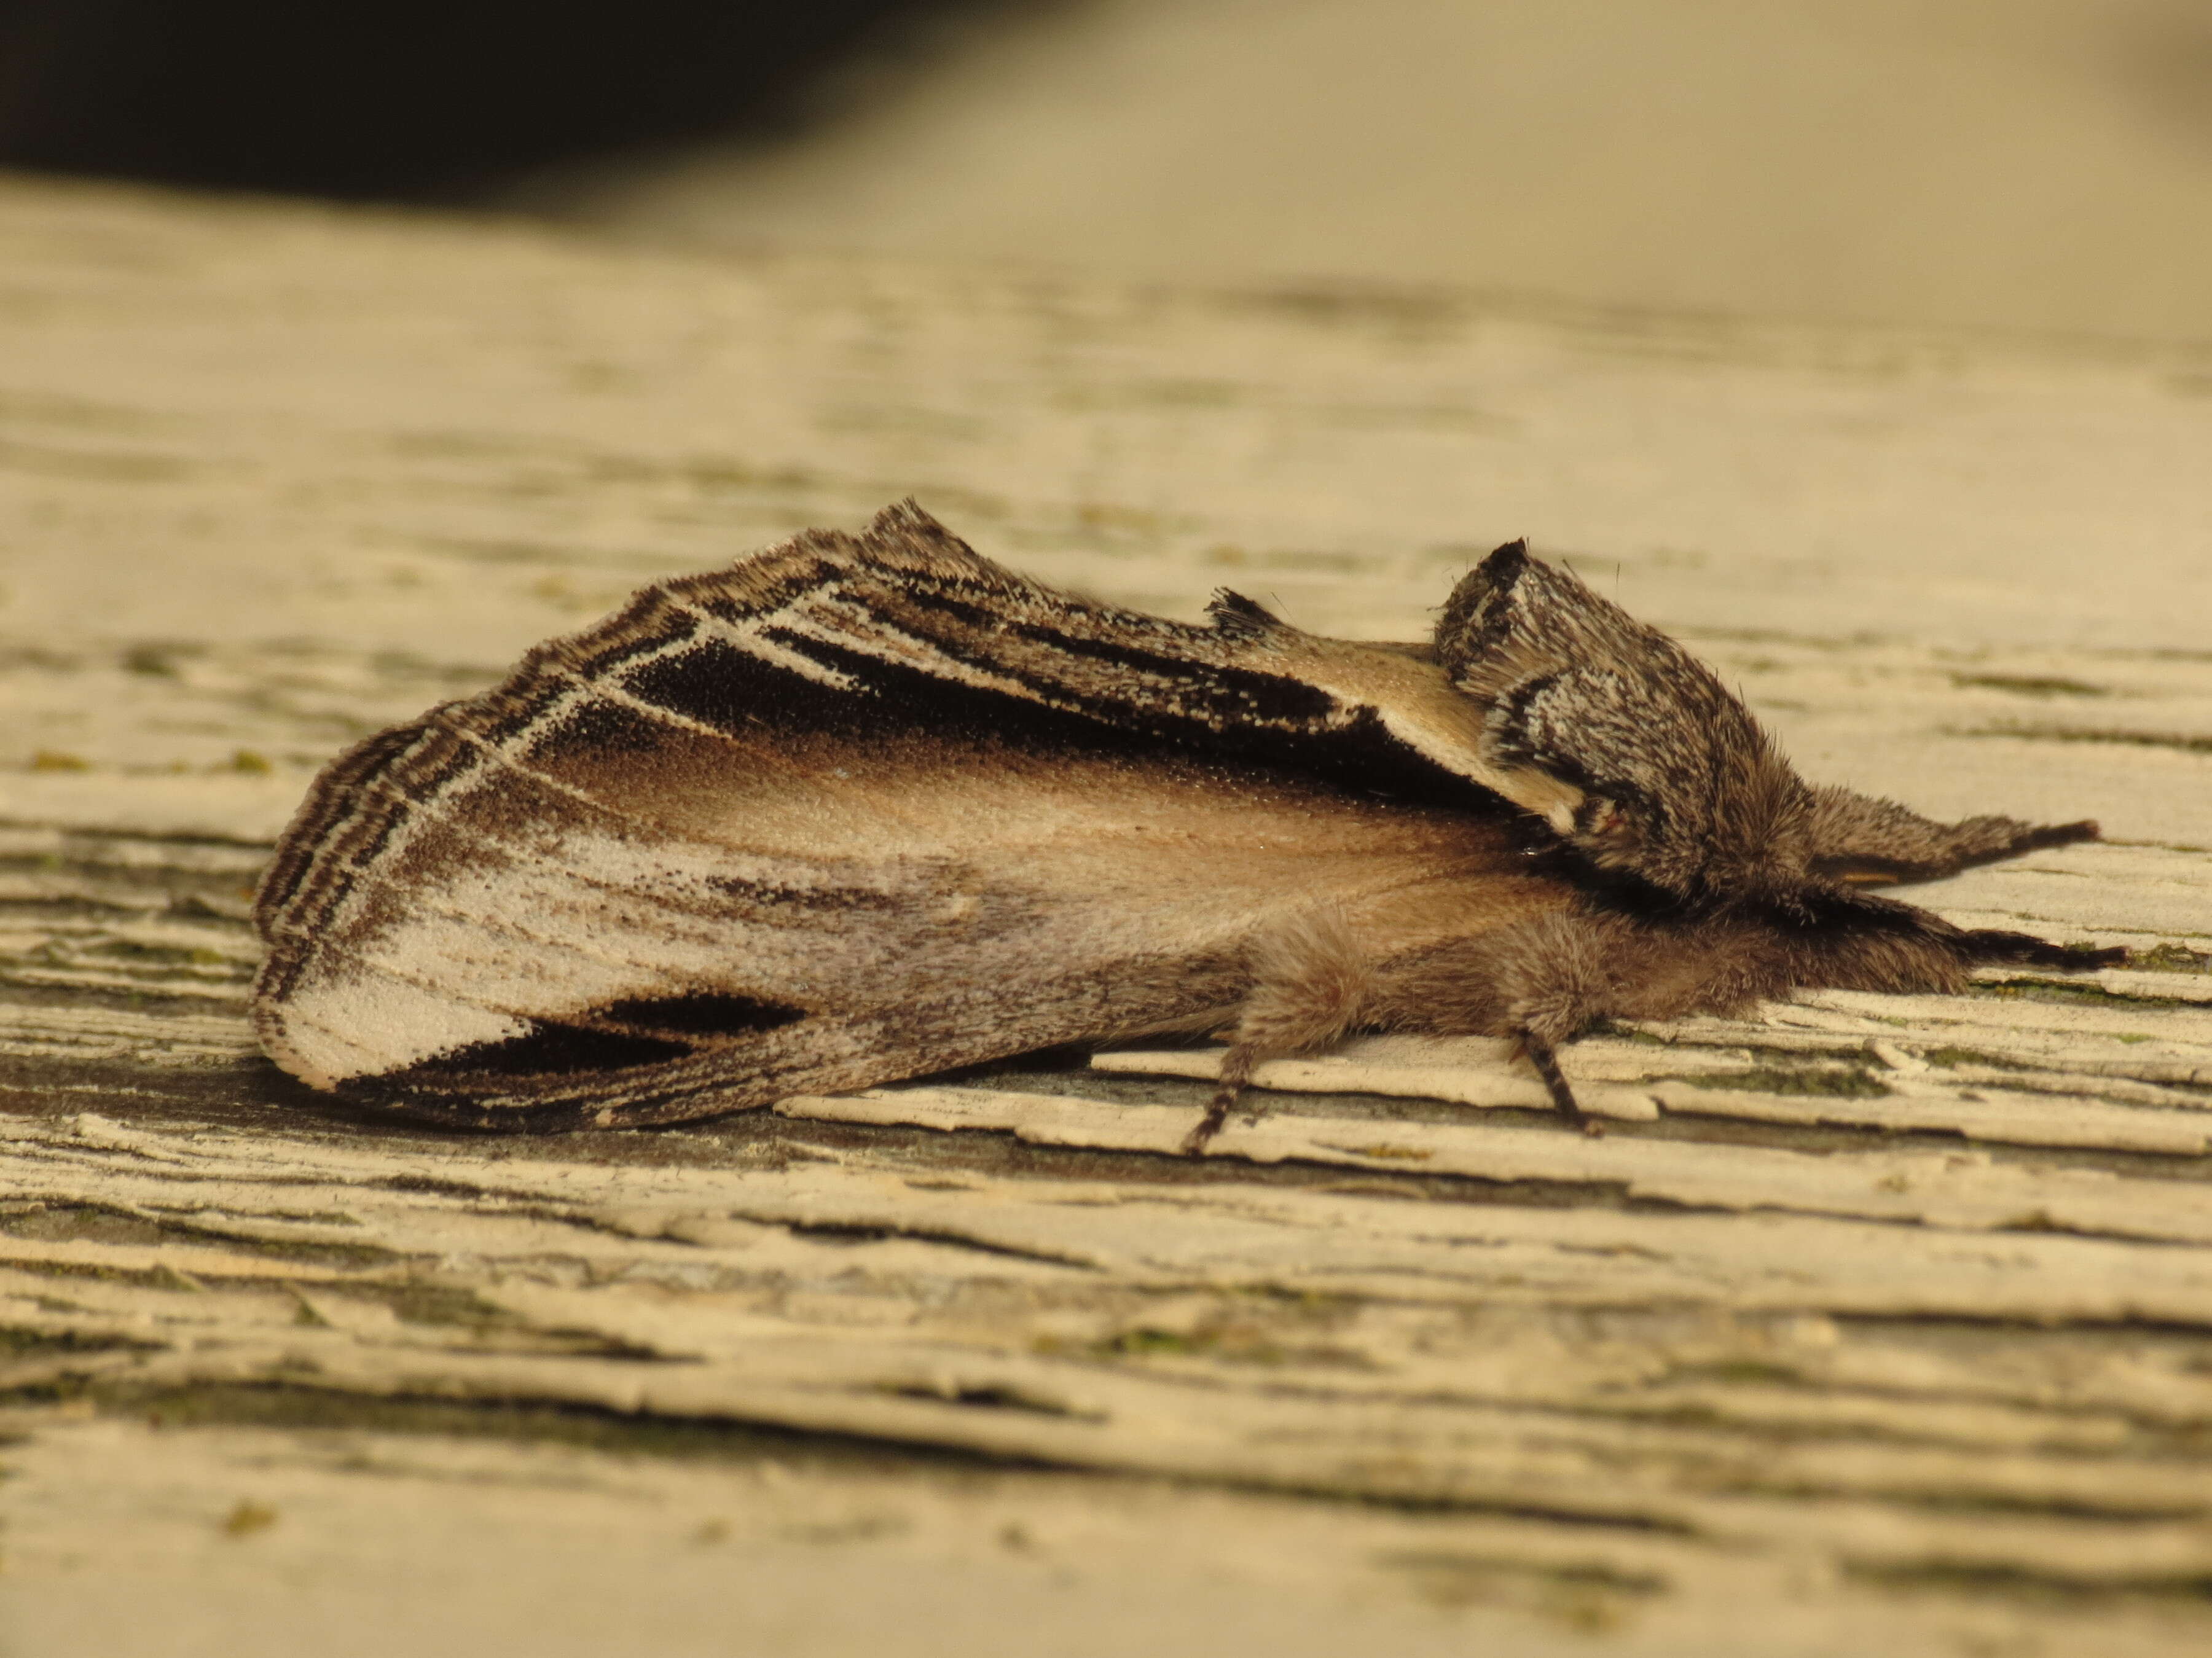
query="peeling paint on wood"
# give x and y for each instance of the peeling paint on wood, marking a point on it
(1872, 1323)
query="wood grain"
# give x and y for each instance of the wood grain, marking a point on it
(1873, 1321)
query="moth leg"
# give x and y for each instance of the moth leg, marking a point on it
(1867, 840)
(1236, 1067)
(1309, 987)
(1540, 982)
(1545, 1059)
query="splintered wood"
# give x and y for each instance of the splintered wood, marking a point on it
(1871, 1323)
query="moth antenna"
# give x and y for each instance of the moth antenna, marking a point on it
(1540, 1054)
(1240, 617)
(1987, 945)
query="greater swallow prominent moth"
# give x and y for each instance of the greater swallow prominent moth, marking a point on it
(860, 809)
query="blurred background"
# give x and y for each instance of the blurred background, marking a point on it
(2028, 164)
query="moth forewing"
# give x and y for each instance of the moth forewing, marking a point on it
(860, 809)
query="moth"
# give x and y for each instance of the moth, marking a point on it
(858, 809)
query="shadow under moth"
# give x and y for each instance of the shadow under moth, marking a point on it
(860, 809)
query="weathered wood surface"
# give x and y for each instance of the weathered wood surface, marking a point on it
(1875, 1322)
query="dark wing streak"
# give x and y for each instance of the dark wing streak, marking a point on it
(707, 919)
(1033, 643)
(435, 811)
(814, 1056)
(609, 692)
(758, 758)
(550, 715)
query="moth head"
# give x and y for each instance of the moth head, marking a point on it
(1678, 784)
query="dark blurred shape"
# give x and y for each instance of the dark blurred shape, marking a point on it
(401, 98)
(2170, 59)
